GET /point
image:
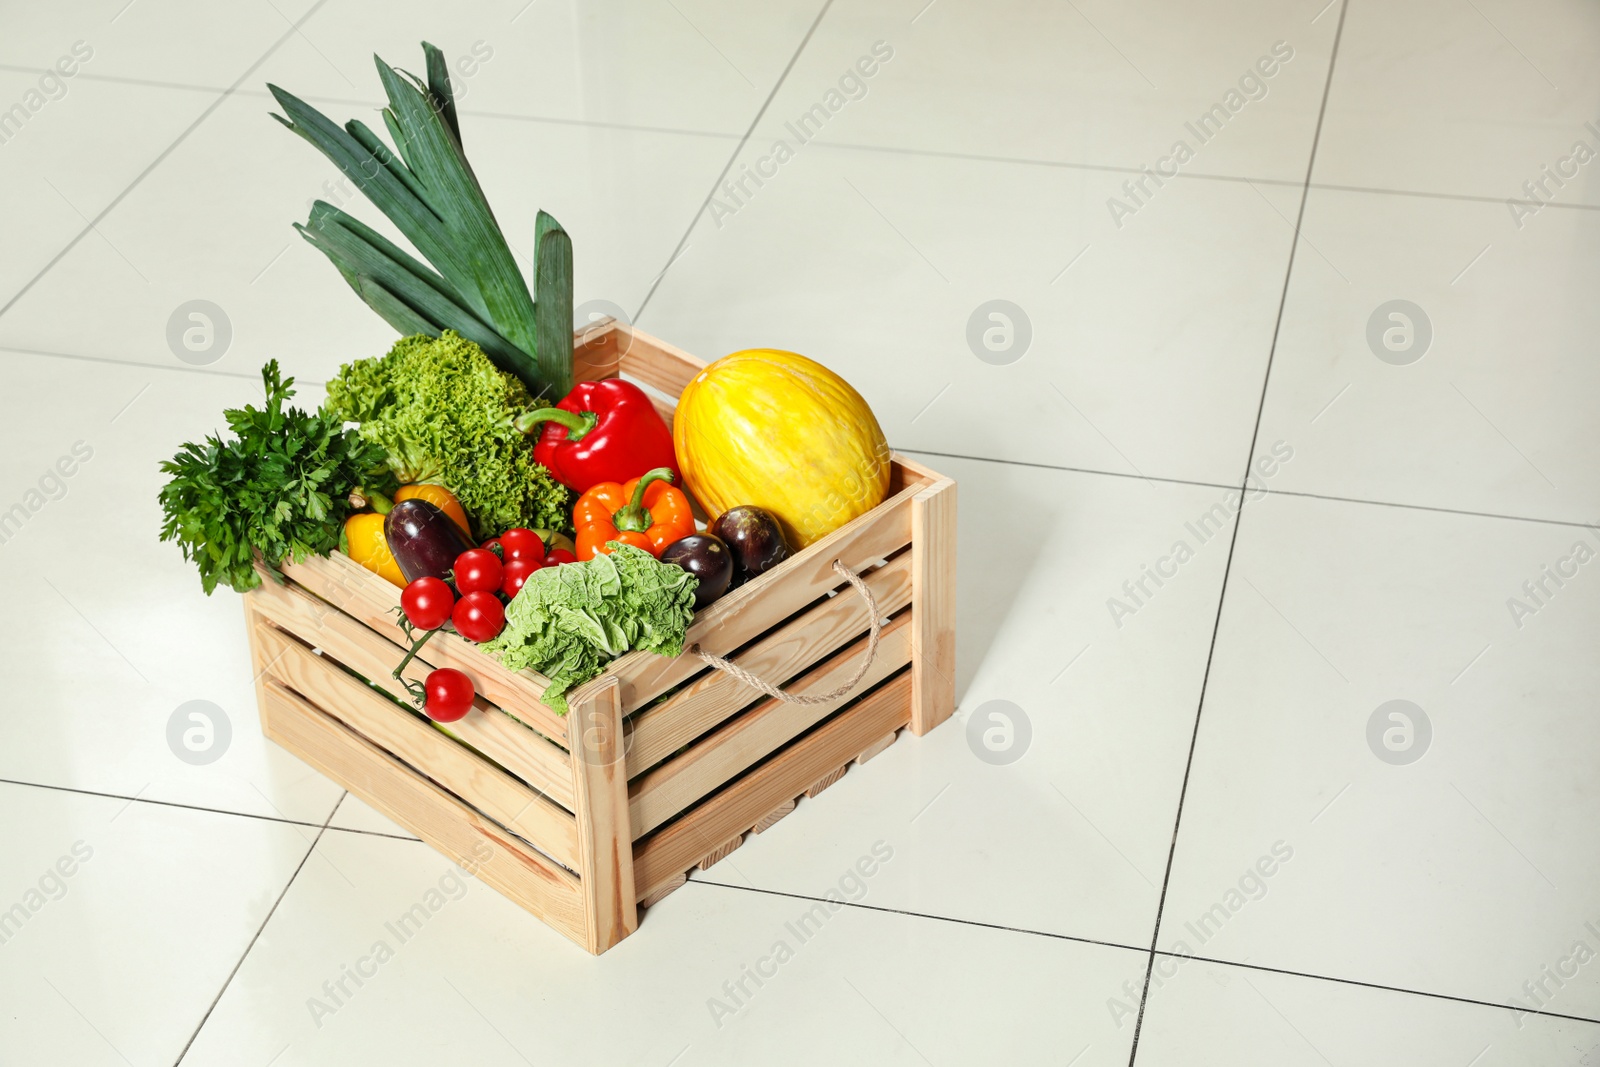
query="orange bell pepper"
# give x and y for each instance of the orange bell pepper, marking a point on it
(647, 512)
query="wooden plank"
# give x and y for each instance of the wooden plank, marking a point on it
(259, 660)
(662, 729)
(550, 892)
(605, 845)
(656, 897)
(744, 741)
(597, 350)
(662, 857)
(771, 818)
(915, 471)
(545, 825)
(721, 852)
(815, 788)
(877, 748)
(757, 606)
(658, 364)
(524, 752)
(371, 600)
(933, 605)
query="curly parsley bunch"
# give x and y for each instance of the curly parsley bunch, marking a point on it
(281, 487)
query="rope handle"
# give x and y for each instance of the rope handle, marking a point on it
(817, 698)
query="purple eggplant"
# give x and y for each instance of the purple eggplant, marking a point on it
(755, 538)
(708, 559)
(425, 541)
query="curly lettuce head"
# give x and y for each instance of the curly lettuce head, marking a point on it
(444, 413)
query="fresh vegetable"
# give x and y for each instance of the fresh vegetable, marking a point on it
(647, 512)
(444, 414)
(281, 487)
(756, 539)
(428, 190)
(427, 603)
(364, 542)
(424, 541)
(554, 539)
(557, 556)
(439, 497)
(784, 433)
(605, 431)
(363, 498)
(449, 695)
(708, 559)
(568, 622)
(516, 572)
(478, 616)
(521, 543)
(478, 570)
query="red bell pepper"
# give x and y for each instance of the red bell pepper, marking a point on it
(605, 431)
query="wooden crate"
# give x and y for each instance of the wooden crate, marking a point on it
(661, 765)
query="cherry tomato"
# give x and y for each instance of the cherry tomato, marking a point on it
(557, 557)
(516, 571)
(494, 545)
(427, 603)
(449, 695)
(479, 616)
(477, 570)
(522, 543)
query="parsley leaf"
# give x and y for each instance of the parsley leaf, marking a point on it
(280, 488)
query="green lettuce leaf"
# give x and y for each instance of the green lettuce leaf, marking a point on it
(568, 622)
(444, 413)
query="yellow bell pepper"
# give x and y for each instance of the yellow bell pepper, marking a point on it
(363, 535)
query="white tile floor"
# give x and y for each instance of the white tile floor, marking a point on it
(1199, 856)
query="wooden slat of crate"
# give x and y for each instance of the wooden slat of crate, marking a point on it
(662, 729)
(753, 608)
(919, 470)
(353, 589)
(933, 555)
(661, 858)
(658, 364)
(749, 737)
(523, 752)
(600, 353)
(597, 350)
(547, 890)
(610, 904)
(495, 793)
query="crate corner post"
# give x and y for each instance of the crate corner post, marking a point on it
(605, 837)
(933, 567)
(253, 622)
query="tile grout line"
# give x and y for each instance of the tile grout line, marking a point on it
(1233, 540)
(142, 175)
(976, 157)
(179, 368)
(259, 931)
(1263, 489)
(926, 915)
(928, 451)
(210, 811)
(1054, 936)
(760, 113)
(1380, 986)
